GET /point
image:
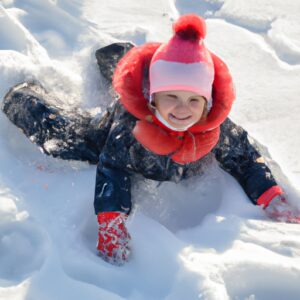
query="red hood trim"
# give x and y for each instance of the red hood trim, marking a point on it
(128, 79)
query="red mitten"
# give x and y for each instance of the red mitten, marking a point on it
(280, 210)
(114, 239)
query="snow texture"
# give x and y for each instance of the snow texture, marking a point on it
(217, 247)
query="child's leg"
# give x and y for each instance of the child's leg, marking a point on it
(109, 56)
(72, 135)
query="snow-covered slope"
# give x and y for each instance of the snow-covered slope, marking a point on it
(219, 246)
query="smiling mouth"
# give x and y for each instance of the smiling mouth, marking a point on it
(179, 119)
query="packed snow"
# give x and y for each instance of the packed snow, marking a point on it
(198, 239)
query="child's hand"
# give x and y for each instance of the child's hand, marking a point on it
(113, 243)
(280, 210)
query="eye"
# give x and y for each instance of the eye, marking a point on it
(171, 96)
(194, 100)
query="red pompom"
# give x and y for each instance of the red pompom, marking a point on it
(190, 27)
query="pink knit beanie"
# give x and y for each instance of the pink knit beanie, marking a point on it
(183, 63)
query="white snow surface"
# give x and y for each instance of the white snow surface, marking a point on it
(199, 239)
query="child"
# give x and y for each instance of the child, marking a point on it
(170, 121)
(190, 96)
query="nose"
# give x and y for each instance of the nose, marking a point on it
(182, 106)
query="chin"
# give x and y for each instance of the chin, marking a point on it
(181, 125)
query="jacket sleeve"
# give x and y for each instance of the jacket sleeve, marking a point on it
(238, 156)
(112, 189)
(113, 178)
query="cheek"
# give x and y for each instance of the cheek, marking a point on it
(197, 109)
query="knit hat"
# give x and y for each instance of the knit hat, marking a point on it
(183, 63)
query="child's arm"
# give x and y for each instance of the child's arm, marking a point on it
(113, 188)
(242, 160)
(112, 203)
(239, 157)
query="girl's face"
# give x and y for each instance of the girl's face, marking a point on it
(179, 108)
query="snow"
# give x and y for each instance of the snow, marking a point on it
(219, 246)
